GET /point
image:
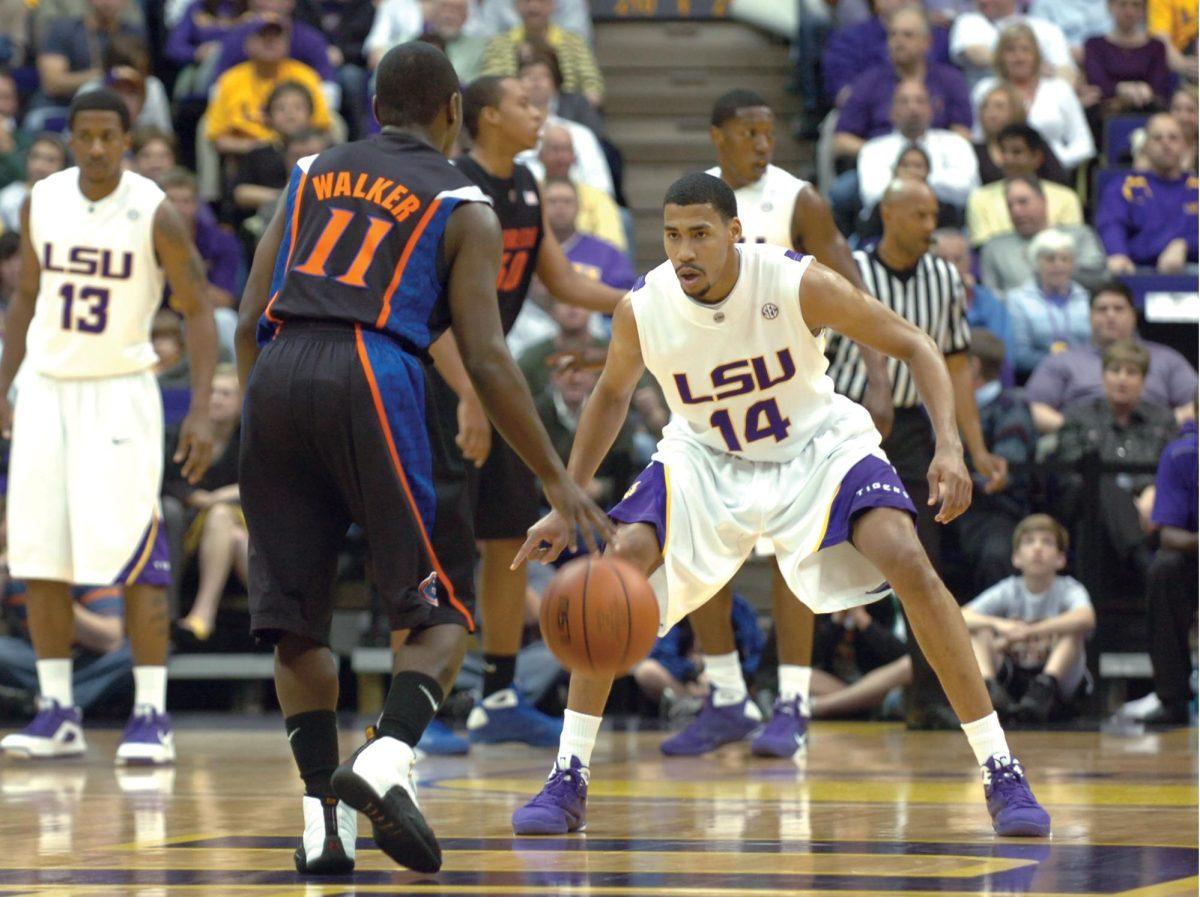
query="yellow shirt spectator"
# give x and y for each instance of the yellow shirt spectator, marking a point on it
(238, 107)
(1174, 20)
(579, 70)
(599, 217)
(987, 210)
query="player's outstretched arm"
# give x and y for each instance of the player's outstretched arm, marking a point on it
(189, 296)
(966, 411)
(828, 300)
(472, 246)
(16, 322)
(601, 421)
(566, 284)
(813, 229)
(255, 294)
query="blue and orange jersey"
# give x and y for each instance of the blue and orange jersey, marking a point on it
(107, 601)
(363, 238)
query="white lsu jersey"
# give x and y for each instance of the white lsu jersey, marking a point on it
(745, 376)
(100, 280)
(765, 207)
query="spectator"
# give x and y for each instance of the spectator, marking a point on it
(166, 335)
(1076, 376)
(153, 153)
(289, 112)
(1022, 153)
(47, 154)
(953, 171)
(559, 407)
(264, 171)
(984, 535)
(46, 13)
(1001, 106)
(1004, 261)
(216, 531)
(1174, 23)
(592, 257)
(857, 661)
(14, 33)
(572, 339)
(591, 166)
(396, 22)
(1050, 312)
(675, 667)
(10, 269)
(1118, 430)
(73, 51)
(1172, 579)
(448, 22)
(1126, 69)
(218, 249)
(860, 47)
(1184, 110)
(1079, 20)
(579, 70)
(546, 81)
(494, 17)
(196, 38)
(984, 308)
(1149, 218)
(345, 24)
(912, 164)
(304, 43)
(237, 115)
(866, 112)
(1028, 631)
(102, 660)
(14, 141)
(127, 73)
(598, 212)
(1051, 105)
(974, 35)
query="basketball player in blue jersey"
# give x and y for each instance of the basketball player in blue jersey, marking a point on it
(778, 209)
(86, 466)
(497, 503)
(760, 445)
(376, 248)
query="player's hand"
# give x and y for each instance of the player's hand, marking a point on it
(474, 437)
(949, 484)
(195, 447)
(1173, 258)
(6, 417)
(879, 404)
(995, 469)
(573, 513)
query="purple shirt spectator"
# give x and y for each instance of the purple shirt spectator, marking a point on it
(867, 112)
(1105, 64)
(1076, 376)
(1175, 496)
(196, 28)
(221, 252)
(854, 50)
(599, 260)
(1141, 213)
(308, 46)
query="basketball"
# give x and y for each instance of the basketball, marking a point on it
(599, 615)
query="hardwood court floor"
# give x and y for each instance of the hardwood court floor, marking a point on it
(871, 810)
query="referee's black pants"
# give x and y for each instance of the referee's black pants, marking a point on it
(1172, 598)
(910, 448)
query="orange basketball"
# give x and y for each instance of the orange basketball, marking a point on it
(599, 615)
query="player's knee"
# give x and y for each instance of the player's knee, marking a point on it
(637, 544)
(219, 515)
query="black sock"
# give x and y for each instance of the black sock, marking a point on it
(314, 742)
(411, 703)
(498, 672)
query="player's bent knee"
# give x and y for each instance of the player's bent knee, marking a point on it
(636, 543)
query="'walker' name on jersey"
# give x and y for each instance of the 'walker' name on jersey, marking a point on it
(736, 378)
(395, 199)
(87, 261)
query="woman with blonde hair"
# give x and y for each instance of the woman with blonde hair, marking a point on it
(1050, 102)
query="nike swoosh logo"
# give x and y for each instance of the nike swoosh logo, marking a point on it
(292, 734)
(427, 694)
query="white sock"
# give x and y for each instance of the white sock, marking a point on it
(578, 738)
(725, 674)
(150, 688)
(54, 680)
(987, 738)
(794, 682)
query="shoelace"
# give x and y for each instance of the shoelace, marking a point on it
(558, 779)
(1010, 780)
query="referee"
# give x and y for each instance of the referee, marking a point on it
(925, 290)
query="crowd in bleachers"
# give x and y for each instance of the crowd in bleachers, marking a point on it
(1058, 135)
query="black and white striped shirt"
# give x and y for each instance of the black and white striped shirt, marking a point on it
(931, 296)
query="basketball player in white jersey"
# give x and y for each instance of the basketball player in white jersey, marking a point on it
(781, 210)
(87, 431)
(760, 445)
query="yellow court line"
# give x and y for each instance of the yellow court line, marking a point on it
(316, 889)
(1181, 887)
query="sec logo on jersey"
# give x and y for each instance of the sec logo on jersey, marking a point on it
(770, 311)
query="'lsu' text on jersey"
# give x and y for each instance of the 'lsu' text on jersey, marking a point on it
(363, 236)
(765, 207)
(754, 384)
(100, 281)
